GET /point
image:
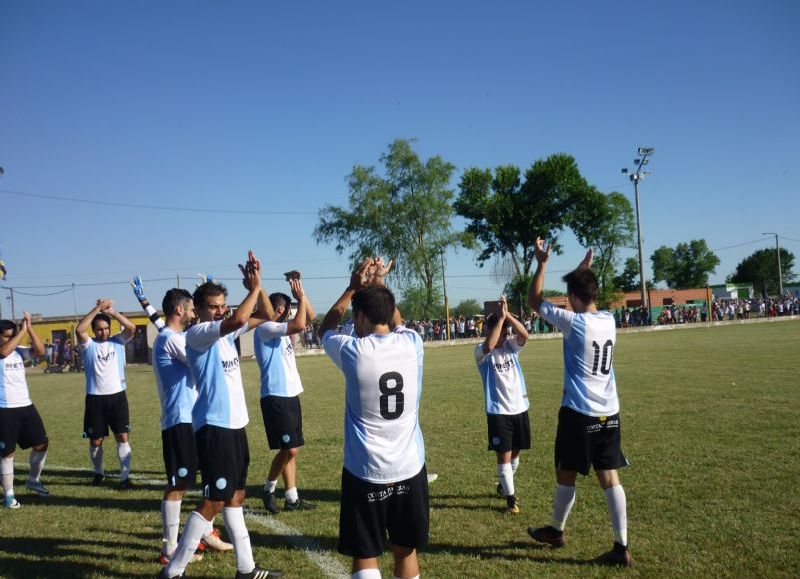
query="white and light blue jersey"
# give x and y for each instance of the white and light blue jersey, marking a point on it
(589, 340)
(104, 365)
(383, 384)
(13, 385)
(275, 355)
(174, 381)
(503, 383)
(214, 363)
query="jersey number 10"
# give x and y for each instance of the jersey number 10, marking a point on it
(387, 392)
(608, 353)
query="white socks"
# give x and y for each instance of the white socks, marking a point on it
(506, 475)
(7, 474)
(194, 530)
(237, 531)
(291, 495)
(171, 522)
(37, 464)
(367, 574)
(562, 505)
(124, 455)
(96, 456)
(270, 485)
(514, 464)
(617, 510)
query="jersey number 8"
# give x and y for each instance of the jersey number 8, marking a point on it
(387, 392)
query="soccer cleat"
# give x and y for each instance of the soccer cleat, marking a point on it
(298, 505)
(269, 502)
(37, 487)
(259, 573)
(512, 505)
(619, 556)
(126, 485)
(549, 535)
(11, 502)
(98, 480)
(214, 542)
(164, 559)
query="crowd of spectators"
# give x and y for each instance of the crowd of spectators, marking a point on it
(721, 310)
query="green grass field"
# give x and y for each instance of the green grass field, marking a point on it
(711, 426)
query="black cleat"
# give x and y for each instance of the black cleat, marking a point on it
(512, 505)
(619, 556)
(549, 535)
(298, 505)
(269, 502)
(259, 573)
(98, 480)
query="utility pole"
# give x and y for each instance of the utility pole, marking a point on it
(635, 177)
(446, 305)
(778, 253)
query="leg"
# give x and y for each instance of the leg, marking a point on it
(617, 504)
(124, 455)
(198, 524)
(406, 564)
(7, 476)
(171, 519)
(96, 456)
(504, 472)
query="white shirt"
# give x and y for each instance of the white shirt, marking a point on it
(503, 383)
(13, 385)
(383, 384)
(275, 355)
(214, 363)
(104, 365)
(589, 340)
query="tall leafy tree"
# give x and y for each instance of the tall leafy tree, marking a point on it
(628, 280)
(686, 266)
(403, 213)
(761, 269)
(466, 308)
(606, 223)
(506, 214)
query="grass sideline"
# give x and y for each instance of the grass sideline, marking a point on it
(710, 425)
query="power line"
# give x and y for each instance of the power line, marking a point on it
(154, 207)
(740, 244)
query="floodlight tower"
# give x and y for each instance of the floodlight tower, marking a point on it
(778, 252)
(635, 177)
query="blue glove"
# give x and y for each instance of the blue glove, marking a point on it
(138, 290)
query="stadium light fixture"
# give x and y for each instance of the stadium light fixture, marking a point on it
(635, 177)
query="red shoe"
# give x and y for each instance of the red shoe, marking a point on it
(214, 542)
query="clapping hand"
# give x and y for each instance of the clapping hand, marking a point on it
(542, 250)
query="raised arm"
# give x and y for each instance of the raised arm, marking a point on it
(519, 328)
(13, 342)
(152, 314)
(298, 324)
(83, 326)
(36, 343)
(334, 316)
(128, 327)
(536, 290)
(244, 314)
(493, 337)
(377, 273)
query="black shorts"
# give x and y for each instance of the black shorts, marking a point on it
(20, 426)
(180, 455)
(509, 431)
(283, 421)
(369, 510)
(583, 441)
(223, 456)
(103, 411)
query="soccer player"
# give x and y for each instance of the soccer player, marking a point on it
(506, 397)
(20, 423)
(106, 401)
(384, 482)
(280, 395)
(588, 433)
(177, 393)
(219, 416)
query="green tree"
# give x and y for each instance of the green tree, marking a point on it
(761, 269)
(516, 292)
(628, 280)
(506, 215)
(606, 223)
(404, 214)
(466, 308)
(417, 305)
(686, 266)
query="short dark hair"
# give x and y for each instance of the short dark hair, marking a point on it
(582, 283)
(206, 290)
(279, 299)
(174, 298)
(376, 302)
(101, 317)
(6, 325)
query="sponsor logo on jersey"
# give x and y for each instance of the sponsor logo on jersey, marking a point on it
(230, 365)
(107, 357)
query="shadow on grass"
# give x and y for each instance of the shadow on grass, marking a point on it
(121, 500)
(309, 494)
(503, 551)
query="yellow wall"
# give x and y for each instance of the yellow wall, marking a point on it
(44, 327)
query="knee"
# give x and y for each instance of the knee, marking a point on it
(291, 452)
(41, 448)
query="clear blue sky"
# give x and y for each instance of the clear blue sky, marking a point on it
(266, 106)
